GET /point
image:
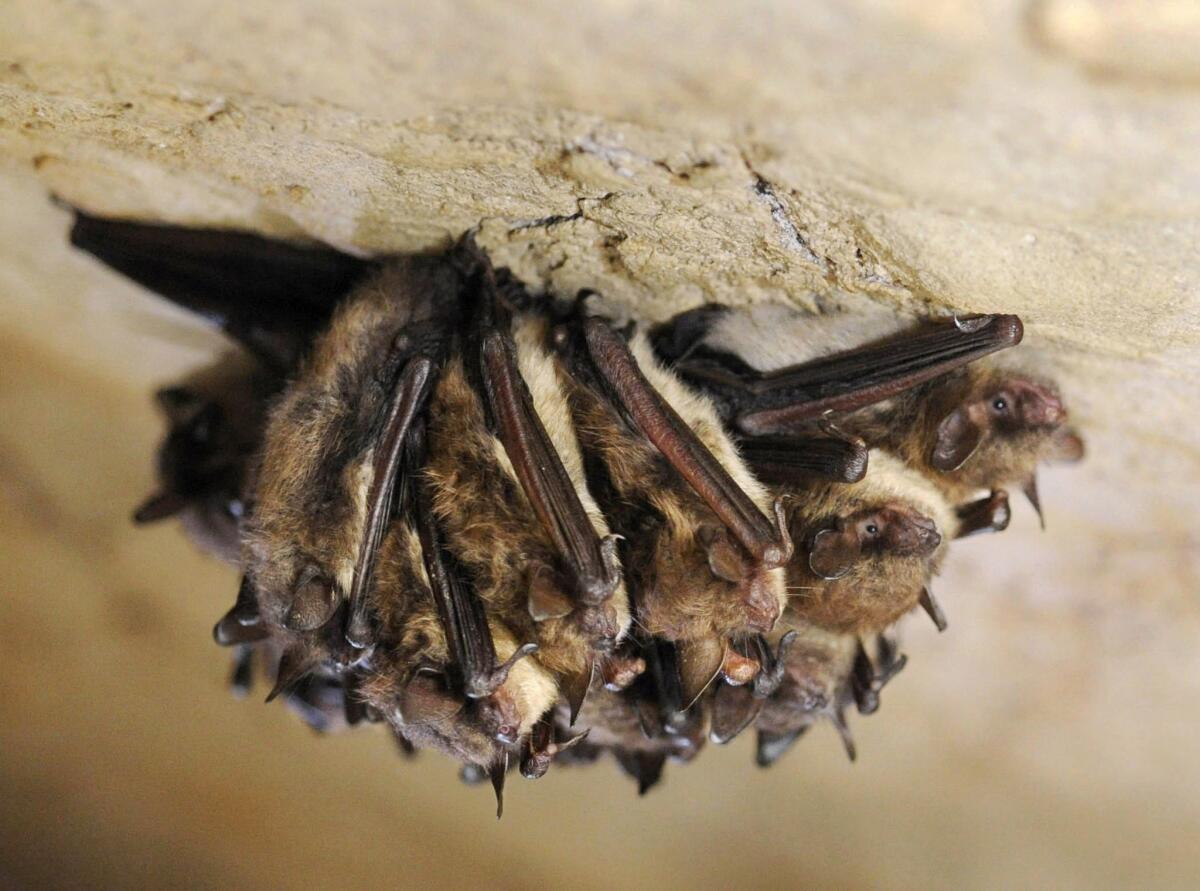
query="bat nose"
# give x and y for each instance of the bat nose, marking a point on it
(1042, 407)
(917, 536)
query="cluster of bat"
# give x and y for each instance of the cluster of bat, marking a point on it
(520, 530)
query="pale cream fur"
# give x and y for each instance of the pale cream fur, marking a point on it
(890, 479)
(532, 687)
(540, 372)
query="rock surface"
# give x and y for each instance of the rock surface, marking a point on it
(1040, 158)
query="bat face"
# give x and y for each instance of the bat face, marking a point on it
(869, 549)
(499, 525)
(999, 428)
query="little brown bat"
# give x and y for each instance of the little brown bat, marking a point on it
(463, 506)
(702, 557)
(968, 428)
(214, 420)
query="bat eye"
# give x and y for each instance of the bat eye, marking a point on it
(872, 529)
(1000, 404)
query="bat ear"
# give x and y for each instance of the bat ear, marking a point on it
(724, 558)
(546, 599)
(958, 436)
(733, 710)
(424, 701)
(313, 604)
(833, 553)
(773, 746)
(1066, 445)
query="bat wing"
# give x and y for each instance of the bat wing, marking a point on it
(270, 296)
(783, 401)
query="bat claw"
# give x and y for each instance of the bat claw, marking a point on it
(839, 722)
(159, 506)
(645, 767)
(575, 690)
(774, 667)
(291, 670)
(498, 772)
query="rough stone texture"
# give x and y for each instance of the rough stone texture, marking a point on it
(1040, 158)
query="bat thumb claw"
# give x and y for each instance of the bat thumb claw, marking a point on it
(496, 678)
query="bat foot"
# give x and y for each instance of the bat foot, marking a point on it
(738, 669)
(540, 749)
(991, 514)
(774, 667)
(867, 680)
(619, 671)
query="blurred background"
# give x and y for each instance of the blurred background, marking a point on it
(1031, 157)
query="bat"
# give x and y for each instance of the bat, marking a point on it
(519, 529)
(214, 421)
(967, 426)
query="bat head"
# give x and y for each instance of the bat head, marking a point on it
(997, 429)
(892, 529)
(865, 551)
(698, 582)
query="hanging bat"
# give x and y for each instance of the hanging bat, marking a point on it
(704, 542)
(496, 522)
(214, 419)
(968, 427)
(821, 674)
